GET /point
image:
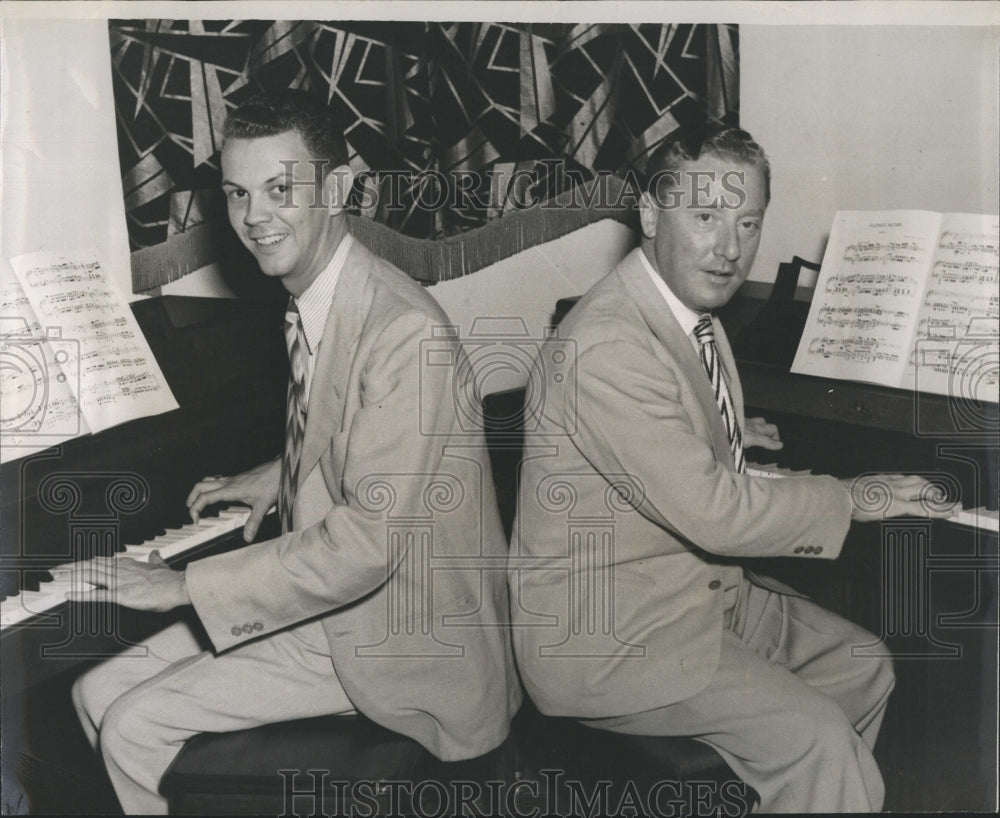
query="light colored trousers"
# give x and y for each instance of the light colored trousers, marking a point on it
(139, 711)
(792, 712)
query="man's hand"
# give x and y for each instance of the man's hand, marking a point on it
(258, 488)
(878, 496)
(758, 432)
(152, 586)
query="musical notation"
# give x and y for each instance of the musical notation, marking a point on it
(861, 318)
(966, 272)
(897, 298)
(38, 408)
(97, 353)
(963, 243)
(890, 252)
(958, 323)
(862, 349)
(871, 284)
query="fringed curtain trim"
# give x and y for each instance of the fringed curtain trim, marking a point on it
(433, 260)
(179, 255)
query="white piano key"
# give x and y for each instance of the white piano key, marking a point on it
(170, 536)
(12, 613)
(63, 586)
(35, 602)
(982, 519)
(24, 605)
(132, 550)
(762, 471)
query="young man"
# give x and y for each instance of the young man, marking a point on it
(349, 609)
(627, 535)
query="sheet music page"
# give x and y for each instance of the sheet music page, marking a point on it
(38, 407)
(956, 347)
(106, 359)
(864, 309)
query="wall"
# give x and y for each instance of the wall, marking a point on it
(527, 286)
(60, 178)
(868, 118)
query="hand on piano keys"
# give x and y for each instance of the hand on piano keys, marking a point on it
(879, 496)
(149, 585)
(25, 604)
(257, 488)
(758, 432)
(873, 497)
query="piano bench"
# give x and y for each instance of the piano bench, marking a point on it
(673, 770)
(238, 773)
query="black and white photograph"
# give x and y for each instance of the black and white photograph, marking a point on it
(524, 409)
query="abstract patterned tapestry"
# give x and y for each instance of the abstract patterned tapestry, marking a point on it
(450, 125)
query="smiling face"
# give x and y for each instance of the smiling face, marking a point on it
(292, 229)
(703, 236)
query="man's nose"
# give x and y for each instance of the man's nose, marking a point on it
(727, 243)
(258, 211)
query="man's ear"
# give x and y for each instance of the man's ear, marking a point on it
(647, 215)
(337, 187)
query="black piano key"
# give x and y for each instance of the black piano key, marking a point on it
(10, 583)
(31, 580)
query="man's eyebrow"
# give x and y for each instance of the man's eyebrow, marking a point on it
(275, 178)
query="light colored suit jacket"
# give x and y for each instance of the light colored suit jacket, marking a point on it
(398, 543)
(629, 508)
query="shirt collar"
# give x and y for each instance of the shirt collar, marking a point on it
(314, 303)
(686, 317)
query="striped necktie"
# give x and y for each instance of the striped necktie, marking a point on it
(295, 413)
(705, 335)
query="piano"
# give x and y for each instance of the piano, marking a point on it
(125, 487)
(929, 589)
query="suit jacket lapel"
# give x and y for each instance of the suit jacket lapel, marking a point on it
(665, 327)
(334, 358)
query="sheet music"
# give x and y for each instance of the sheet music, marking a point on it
(105, 358)
(956, 347)
(38, 411)
(869, 289)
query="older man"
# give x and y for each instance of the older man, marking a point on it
(635, 615)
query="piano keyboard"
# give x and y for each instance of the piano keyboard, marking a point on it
(981, 519)
(25, 604)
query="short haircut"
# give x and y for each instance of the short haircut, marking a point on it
(273, 114)
(714, 139)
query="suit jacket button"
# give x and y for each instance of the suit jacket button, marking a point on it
(715, 585)
(236, 630)
(798, 549)
(258, 626)
(809, 549)
(817, 549)
(248, 628)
